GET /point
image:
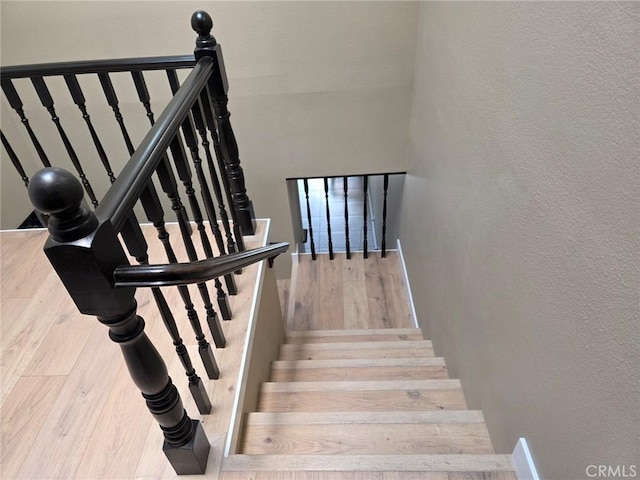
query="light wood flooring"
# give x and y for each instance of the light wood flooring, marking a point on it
(69, 408)
(348, 294)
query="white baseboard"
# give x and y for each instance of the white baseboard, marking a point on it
(523, 462)
(407, 286)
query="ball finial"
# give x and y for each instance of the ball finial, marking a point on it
(201, 23)
(55, 190)
(59, 194)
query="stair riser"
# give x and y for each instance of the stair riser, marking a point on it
(354, 374)
(380, 439)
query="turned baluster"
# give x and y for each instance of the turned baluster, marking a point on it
(169, 185)
(84, 253)
(365, 188)
(78, 98)
(305, 182)
(47, 102)
(206, 45)
(16, 103)
(326, 200)
(345, 185)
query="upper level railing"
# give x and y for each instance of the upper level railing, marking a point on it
(84, 246)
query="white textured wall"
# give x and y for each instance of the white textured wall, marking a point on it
(316, 88)
(521, 220)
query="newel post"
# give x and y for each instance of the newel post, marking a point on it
(206, 46)
(84, 252)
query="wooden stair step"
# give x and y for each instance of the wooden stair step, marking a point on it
(339, 418)
(420, 368)
(373, 463)
(341, 350)
(361, 396)
(368, 438)
(362, 335)
(364, 475)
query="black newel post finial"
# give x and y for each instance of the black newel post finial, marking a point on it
(202, 24)
(85, 252)
(58, 193)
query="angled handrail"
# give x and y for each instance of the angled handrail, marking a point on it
(192, 272)
(97, 66)
(126, 190)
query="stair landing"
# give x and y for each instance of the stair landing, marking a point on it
(343, 294)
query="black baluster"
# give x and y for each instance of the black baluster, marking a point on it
(384, 216)
(306, 195)
(206, 45)
(155, 214)
(84, 254)
(189, 134)
(365, 187)
(15, 160)
(16, 103)
(346, 216)
(79, 100)
(47, 102)
(205, 107)
(137, 247)
(168, 182)
(326, 200)
(112, 100)
(184, 173)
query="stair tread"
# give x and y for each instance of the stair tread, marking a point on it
(375, 385)
(370, 463)
(389, 417)
(362, 331)
(362, 400)
(358, 362)
(369, 438)
(358, 345)
(362, 335)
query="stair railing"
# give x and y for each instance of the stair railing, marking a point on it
(85, 251)
(327, 199)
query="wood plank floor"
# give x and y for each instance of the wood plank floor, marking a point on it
(350, 294)
(69, 408)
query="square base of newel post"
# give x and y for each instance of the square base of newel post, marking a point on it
(191, 458)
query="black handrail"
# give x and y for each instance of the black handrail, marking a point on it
(97, 66)
(125, 192)
(374, 174)
(192, 272)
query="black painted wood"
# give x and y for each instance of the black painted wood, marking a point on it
(97, 66)
(192, 272)
(312, 243)
(206, 46)
(47, 102)
(165, 174)
(384, 215)
(15, 160)
(16, 103)
(345, 186)
(137, 247)
(204, 106)
(188, 130)
(365, 188)
(84, 253)
(326, 200)
(79, 99)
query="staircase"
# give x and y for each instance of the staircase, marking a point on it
(357, 403)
